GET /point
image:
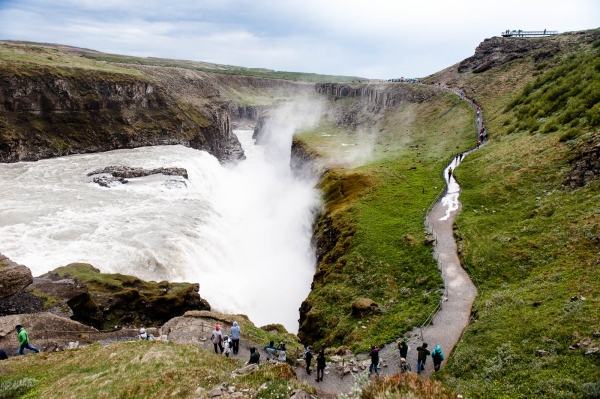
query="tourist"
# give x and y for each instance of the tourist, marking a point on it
(438, 357)
(321, 365)
(422, 353)
(3, 355)
(24, 340)
(271, 350)
(478, 144)
(235, 337)
(254, 356)
(404, 366)
(227, 345)
(281, 352)
(374, 359)
(403, 348)
(308, 358)
(217, 339)
(143, 335)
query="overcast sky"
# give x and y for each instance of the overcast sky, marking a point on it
(371, 38)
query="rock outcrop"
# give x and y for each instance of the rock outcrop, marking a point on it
(499, 50)
(13, 277)
(128, 172)
(104, 300)
(586, 167)
(84, 294)
(46, 331)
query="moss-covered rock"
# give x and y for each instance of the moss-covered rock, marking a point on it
(104, 300)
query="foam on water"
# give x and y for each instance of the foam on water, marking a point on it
(243, 232)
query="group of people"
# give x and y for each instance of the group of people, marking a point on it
(227, 344)
(321, 364)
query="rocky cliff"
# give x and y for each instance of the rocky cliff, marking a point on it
(377, 96)
(47, 115)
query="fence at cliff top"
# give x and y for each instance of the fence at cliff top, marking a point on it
(530, 33)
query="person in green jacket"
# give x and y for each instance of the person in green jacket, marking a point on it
(24, 340)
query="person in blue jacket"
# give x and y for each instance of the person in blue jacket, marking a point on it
(235, 337)
(438, 357)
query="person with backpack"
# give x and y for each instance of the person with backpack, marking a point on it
(403, 348)
(24, 340)
(308, 355)
(143, 335)
(281, 352)
(321, 364)
(235, 337)
(374, 359)
(422, 353)
(254, 356)
(404, 366)
(271, 350)
(438, 357)
(227, 345)
(217, 339)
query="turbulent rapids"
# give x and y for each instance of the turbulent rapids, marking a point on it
(243, 232)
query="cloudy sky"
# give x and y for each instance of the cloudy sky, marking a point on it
(369, 38)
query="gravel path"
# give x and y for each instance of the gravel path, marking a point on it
(448, 324)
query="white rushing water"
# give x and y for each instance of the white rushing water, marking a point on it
(243, 232)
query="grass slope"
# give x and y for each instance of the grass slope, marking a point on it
(530, 242)
(378, 209)
(135, 370)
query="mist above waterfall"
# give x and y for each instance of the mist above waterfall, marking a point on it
(242, 231)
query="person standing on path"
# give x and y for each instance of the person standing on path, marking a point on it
(438, 357)
(24, 340)
(403, 348)
(320, 365)
(217, 339)
(449, 173)
(423, 352)
(404, 366)
(374, 359)
(308, 355)
(235, 337)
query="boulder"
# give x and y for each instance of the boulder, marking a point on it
(592, 351)
(429, 241)
(47, 332)
(13, 277)
(247, 369)
(213, 393)
(541, 353)
(300, 394)
(362, 307)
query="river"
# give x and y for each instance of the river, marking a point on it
(242, 231)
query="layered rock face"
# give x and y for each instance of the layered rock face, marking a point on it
(13, 277)
(586, 167)
(48, 115)
(377, 96)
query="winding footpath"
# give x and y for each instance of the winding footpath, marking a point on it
(453, 315)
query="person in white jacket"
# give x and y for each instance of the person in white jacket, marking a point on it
(227, 345)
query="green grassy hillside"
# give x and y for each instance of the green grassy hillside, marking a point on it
(376, 195)
(529, 240)
(137, 370)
